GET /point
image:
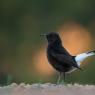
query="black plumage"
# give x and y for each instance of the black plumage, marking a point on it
(58, 56)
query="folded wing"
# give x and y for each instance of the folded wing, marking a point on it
(64, 59)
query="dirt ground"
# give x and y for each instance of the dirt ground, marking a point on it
(47, 89)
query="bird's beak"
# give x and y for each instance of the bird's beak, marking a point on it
(43, 35)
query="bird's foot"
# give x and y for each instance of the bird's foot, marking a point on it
(61, 82)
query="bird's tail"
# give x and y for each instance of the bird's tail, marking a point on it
(91, 52)
(81, 57)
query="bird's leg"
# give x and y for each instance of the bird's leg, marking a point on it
(59, 78)
(63, 78)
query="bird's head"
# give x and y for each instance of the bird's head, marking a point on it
(52, 37)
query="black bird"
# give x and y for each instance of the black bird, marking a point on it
(60, 58)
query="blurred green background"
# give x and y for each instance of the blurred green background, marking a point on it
(22, 22)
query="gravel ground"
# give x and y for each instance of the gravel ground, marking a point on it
(47, 89)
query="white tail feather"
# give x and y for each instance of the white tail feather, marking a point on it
(79, 58)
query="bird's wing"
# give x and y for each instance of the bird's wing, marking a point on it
(62, 50)
(82, 56)
(65, 59)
